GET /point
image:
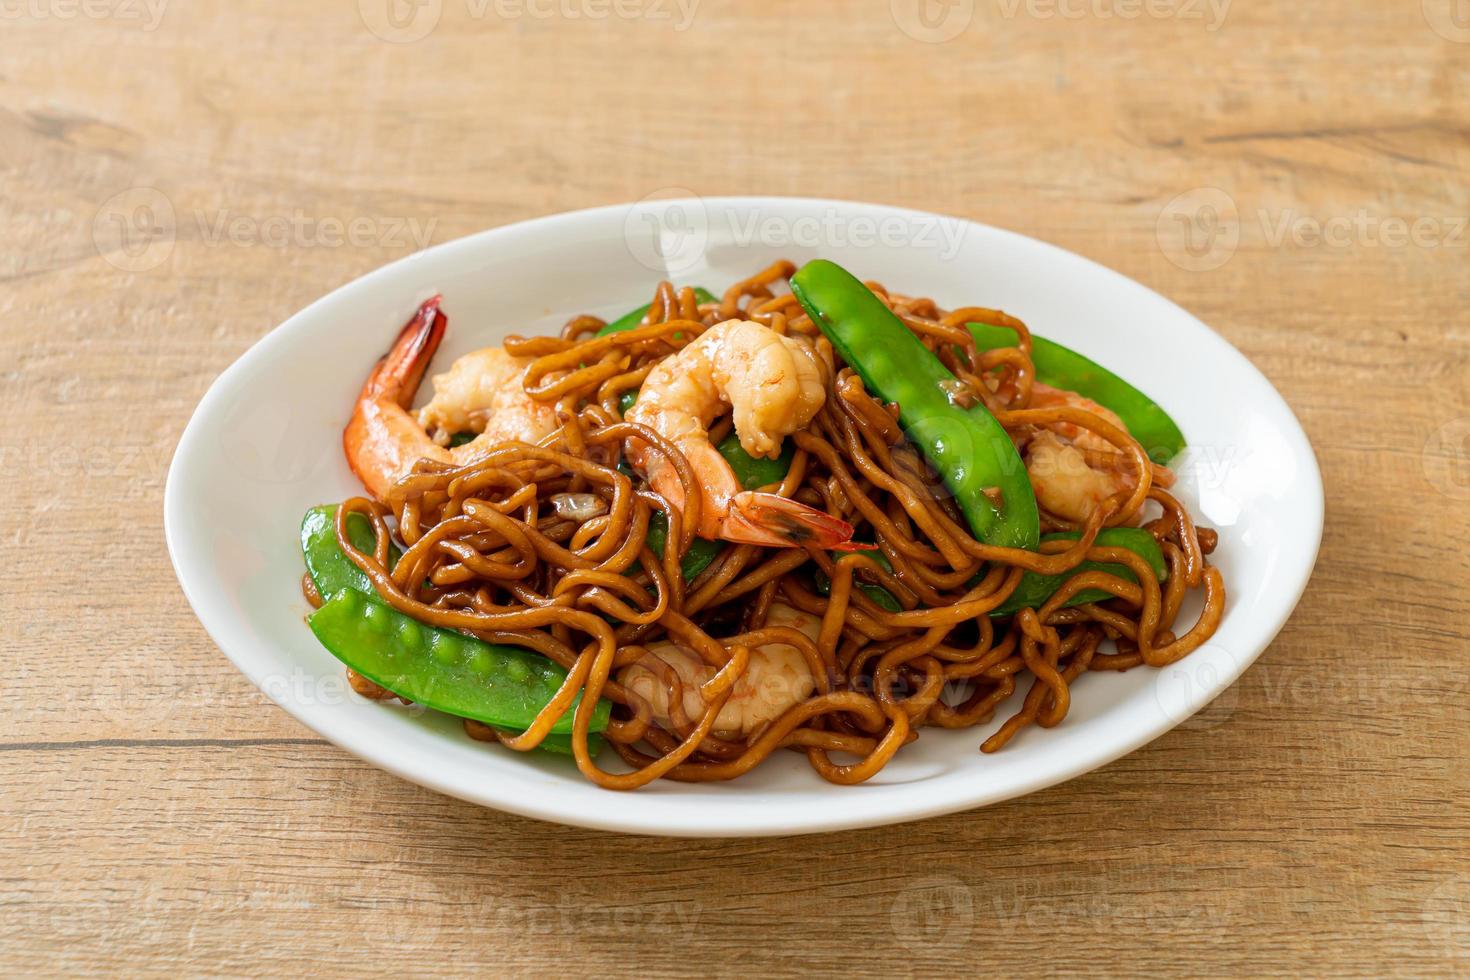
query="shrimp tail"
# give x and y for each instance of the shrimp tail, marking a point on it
(778, 522)
(380, 439)
(400, 371)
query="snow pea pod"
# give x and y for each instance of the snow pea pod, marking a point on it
(880, 596)
(442, 669)
(755, 472)
(1035, 589)
(967, 446)
(701, 551)
(332, 571)
(1062, 367)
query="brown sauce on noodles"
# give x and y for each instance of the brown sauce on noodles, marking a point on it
(505, 565)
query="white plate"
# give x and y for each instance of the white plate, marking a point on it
(265, 444)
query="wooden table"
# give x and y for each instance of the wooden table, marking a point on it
(1295, 174)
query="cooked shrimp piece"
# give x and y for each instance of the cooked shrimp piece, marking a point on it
(482, 393)
(1066, 484)
(383, 440)
(773, 385)
(776, 678)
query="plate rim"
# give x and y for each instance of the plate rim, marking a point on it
(645, 821)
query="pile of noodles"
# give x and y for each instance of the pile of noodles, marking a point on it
(510, 562)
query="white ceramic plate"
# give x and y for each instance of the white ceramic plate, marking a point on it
(265, 444)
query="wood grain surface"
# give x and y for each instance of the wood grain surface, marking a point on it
(178, 176)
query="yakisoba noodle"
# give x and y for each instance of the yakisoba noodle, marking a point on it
(543, 547)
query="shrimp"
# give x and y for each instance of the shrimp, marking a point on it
(773, 385)
(1065, 482)
(776, 678)
(481, 392)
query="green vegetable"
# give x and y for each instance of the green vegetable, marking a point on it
(442, 669)
(701, 551)
(881, 596)
(1035, 589)
(1061, 367)
(967, 446)
(333, 572)
(330, 569)
(754, 472)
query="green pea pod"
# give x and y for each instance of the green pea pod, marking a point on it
(754, 472)
(881, 596)
(701, 551)
(332, 571)
(442, 669)
(1035, 589)
(1062, 367)
(967, 446)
